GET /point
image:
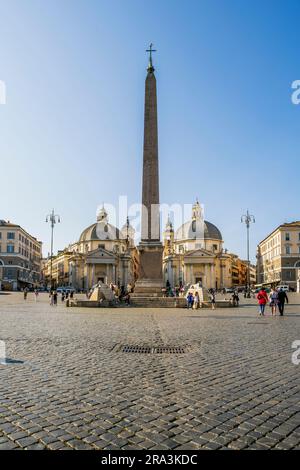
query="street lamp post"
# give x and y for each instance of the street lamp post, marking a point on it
(248, 219)
(53, 219)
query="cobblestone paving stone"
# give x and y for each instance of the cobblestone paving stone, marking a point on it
(235, 389)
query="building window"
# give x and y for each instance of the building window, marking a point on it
(9, 273)
(10, 249)
(10, 235)
(101, 246)
(287, 237)
(287, 250)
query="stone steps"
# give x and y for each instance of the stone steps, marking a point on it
(147, 302)
(158, 302)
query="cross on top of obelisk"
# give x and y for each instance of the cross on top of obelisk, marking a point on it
(150, 50)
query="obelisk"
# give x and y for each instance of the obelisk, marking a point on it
(150, 280)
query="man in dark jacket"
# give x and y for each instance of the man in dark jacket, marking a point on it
(282, 298)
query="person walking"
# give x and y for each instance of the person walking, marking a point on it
(282, 298)
(262, 298)
(196, 301)
(25, 293)
(190, 300)
(235, 299)
(127, 299)
(273, 301)
(51, 298)
(55, 298)
(213, 300)
(36, 294)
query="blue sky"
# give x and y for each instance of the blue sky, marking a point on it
(72, 128)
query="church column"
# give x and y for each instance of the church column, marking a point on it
(125, 276)
(206, 277)
(221, 275)
(93, 275)
(190, 273)
(106, 276)
(213, 275)
(210, 276)
(187, 273)
(172, 273)
(86, 276)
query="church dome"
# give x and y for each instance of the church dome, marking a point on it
(101, 230)
(194, 229)
(197, 227)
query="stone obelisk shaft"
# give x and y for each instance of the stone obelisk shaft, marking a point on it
(150, 198)
(150, 278)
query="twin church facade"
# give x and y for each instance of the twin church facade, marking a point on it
(192, 253)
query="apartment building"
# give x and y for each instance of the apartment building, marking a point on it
(278, 257)
(20, 257)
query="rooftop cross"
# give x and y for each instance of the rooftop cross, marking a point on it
(150, 50)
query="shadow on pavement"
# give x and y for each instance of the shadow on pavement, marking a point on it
(8, 361)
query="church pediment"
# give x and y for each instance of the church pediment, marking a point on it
(199, 256)
(199, 252)
(100, 256)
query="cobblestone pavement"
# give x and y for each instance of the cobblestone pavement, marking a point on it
(235, 388)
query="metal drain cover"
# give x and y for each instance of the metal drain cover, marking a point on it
(150, 349)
